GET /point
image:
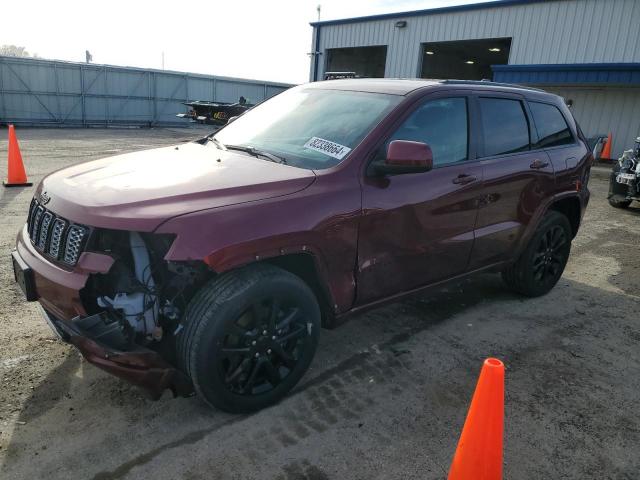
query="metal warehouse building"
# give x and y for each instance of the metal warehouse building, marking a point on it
(588, 51)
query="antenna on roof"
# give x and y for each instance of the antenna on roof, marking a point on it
(319, 8)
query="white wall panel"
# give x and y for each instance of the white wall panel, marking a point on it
(604, 110)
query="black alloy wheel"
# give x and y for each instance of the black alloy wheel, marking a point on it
(249, 336)
(550, 254)
(262, 347)
(542, 262)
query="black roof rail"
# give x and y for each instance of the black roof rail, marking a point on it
(490, 83)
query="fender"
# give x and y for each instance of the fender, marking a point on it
(540, 212)
(321, 220)
(339, 289)
(332, 250)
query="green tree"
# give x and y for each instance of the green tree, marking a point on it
(15, 51)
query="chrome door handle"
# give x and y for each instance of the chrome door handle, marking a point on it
(463, 179)
(538, 164)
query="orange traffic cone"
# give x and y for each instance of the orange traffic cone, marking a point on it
(606, 151)
(16, 176)
(479, 452)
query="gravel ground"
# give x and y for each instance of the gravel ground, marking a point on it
(387, 394)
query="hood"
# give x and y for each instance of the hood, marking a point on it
(140, 190)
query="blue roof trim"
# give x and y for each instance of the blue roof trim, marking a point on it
(574, 74)
(428, 11)
(566, 67)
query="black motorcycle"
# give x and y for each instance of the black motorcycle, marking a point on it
(624, 184)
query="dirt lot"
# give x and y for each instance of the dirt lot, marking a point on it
(387, 394)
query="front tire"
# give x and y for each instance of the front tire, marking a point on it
(249, 336)
(541, 264)
(618, 201)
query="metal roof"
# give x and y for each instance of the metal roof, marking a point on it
(428, 11)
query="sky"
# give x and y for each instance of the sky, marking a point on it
(265, 40)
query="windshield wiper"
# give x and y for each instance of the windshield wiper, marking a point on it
(257, 153)
(218, 143)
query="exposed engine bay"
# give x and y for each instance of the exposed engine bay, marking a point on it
(629, 172)
(141, 299)
(624, 184)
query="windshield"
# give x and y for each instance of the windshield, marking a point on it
(308, 128)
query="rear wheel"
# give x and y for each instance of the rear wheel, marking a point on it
(249, 337)
(541, 264)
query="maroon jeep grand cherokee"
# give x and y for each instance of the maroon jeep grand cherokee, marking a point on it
(210, 266)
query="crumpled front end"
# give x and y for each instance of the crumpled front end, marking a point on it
(142, 367)
(76, 304)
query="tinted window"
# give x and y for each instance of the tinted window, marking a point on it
(551, 125)
(504, 125)
(443, 125)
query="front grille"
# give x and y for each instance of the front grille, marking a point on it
(59, 227)
(35, 223)
(75, 236)
(54, 236)
(43, 234)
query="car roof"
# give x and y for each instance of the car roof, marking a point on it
(393, 86)
(404, 86)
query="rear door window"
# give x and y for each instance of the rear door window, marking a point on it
(551, 125)
(504, 125)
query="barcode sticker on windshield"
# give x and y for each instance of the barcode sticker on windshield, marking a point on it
(321, 145)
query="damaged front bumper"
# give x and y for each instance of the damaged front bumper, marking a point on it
(629, 189)
(58, 292)
(140, 366)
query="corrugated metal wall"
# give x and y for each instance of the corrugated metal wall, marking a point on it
(562, 31)
(542, 32)
(45, 92)
(604, 110)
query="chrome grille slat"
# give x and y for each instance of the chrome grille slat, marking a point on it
(32, 209)
(44, 230)
(74, 242)
(35, 227)
(55, 236)
(59, 227)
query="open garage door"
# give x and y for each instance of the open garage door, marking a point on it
(464, 59)
(363, 61)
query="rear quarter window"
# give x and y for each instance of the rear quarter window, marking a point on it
(504, 125)
(552, 128)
